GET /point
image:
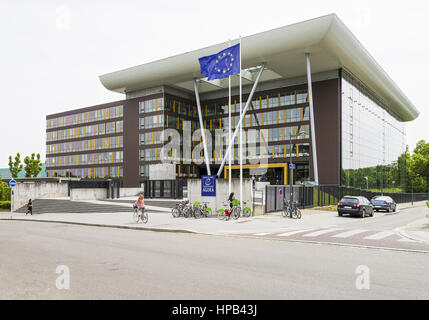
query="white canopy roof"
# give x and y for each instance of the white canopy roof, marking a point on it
(331, 44)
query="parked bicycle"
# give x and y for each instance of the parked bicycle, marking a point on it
(246, 212)
(227, 212)
(140, 214)
(291, 210)
(180, 209)
(199, 211)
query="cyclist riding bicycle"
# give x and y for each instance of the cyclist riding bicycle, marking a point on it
(139, 202)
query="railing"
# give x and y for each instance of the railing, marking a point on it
(321, 196)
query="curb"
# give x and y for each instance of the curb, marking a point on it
(105, 226)
(405, 234)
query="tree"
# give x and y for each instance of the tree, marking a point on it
(15, 167)
(420, 164)
(33, 166)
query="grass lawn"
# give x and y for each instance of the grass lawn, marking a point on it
(4, 210)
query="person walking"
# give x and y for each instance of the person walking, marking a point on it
(230, 199)
(29, 207)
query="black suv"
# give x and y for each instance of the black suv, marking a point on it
(355, 206)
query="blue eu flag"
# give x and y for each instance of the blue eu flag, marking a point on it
(222, 64)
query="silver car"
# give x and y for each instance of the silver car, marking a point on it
(384, 203)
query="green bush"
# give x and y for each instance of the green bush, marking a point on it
(4, 204)
(5, 192)
(427, 203)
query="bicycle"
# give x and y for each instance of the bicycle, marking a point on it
(180, 208)
(236, 209)
(199, 210)
(228, 212)
(140, 214)
(223, 213)
(247, 212)
(291, 210)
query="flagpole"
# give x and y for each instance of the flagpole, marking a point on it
(229, 134)
(241, 136)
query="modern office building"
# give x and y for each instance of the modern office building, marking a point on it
(359, 115)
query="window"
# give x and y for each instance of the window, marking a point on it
(110, 127)
(151, 105)
(301, 96)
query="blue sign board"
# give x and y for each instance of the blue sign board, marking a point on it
(292, 166)
(208, 186)
(12, 183)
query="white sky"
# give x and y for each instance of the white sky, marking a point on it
(52, 52)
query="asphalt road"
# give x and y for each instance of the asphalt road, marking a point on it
(109, 263)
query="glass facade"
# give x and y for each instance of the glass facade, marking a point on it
(372, 140)
(282, 116)
(68, 155)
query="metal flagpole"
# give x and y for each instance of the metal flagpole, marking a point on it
(229, 135)
(249, 99)
(313, 130)
(241, 136)
(206, 155)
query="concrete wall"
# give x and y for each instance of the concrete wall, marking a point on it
(130, 192)
(88, 194)
(194, 192)
(163, 171)
(37, 190)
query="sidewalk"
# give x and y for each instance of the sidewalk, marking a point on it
(160, 219)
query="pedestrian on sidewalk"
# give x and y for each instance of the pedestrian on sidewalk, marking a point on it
(29, 207)
(230, 199)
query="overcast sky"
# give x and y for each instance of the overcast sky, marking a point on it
(52, 52)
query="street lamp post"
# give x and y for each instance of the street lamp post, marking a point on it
(366, 178)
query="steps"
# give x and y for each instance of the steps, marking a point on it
(67, 206)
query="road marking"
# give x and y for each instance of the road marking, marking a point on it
(321, 232)
(380, 235)
(261, 234)
(349, 233)
(287, 234)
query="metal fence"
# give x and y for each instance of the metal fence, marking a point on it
(321, 196)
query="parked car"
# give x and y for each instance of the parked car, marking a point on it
(383, 203)
(355, 206)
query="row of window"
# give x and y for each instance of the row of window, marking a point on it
(86, 117)
(101, 172)
(152, 122)
(181, 171)
(151, 105)
(87, 131)
(150, 138)
(250, 136)
(249, 153)
(261, 102)
(86, 145)
(249, 121)
(85, 159)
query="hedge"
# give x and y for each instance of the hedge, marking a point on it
(4, 192)
(4, 204)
